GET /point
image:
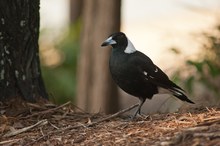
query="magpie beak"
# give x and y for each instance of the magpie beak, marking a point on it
(108, 42)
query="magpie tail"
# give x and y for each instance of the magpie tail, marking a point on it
(178, 92)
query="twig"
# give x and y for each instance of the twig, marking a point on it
(85, 125)
(12, 133)
(193, 129)
(36, 106)
(164, 128)
(53, 125)
(212, 118)
(9, 141)
(46, 111)
(210, 135)
(80, 109)
(217, 121)
(113, 116)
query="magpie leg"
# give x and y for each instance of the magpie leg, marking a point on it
(138, 111)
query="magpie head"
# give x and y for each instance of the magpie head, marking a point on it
(120, 41)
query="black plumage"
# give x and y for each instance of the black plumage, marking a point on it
(136, 74)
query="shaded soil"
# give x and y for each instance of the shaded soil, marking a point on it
(48, 124)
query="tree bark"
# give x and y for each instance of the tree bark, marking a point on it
(75, 10)
(20, 74)
(96, 89)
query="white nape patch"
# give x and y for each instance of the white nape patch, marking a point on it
(130, 48)
(156, 69)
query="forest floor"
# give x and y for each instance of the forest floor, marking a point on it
(49, 124)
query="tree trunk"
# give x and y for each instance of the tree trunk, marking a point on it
(96, 89)
(20, 74)
(75, 10)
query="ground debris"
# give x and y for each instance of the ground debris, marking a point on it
(62, 125)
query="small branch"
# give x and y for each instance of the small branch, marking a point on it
(36, 106)
(210, 135)
(114, 115)
(208, 123)
(80, 109)
(85, 125)
(16, 132)
(9, 141)
(47, 111)
(194, 129)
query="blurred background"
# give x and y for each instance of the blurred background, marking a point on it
(181, 36)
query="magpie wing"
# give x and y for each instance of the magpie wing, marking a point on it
(156, 76)
(151, 72)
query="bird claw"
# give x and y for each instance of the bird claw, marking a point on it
(138, 116)
(143, 116)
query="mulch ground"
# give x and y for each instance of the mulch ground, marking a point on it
(49, 124)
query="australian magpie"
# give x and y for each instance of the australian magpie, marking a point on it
(136, 74)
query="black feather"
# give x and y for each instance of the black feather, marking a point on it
(135, 73)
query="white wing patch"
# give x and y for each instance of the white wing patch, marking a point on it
(145, 73)
(156, 70)
(130, 48)
(178, 92)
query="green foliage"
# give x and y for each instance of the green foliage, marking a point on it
(60, 79)
(206, 68)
